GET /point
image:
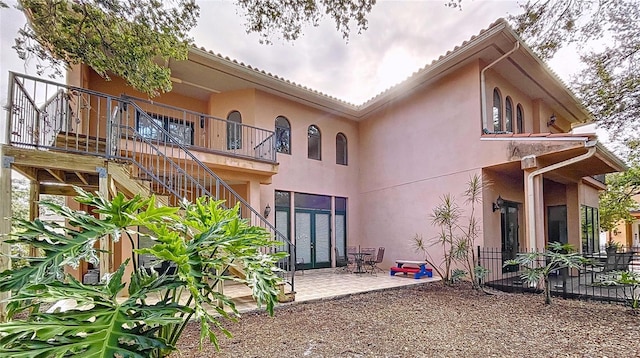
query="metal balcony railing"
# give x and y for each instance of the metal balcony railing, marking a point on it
(210, 134)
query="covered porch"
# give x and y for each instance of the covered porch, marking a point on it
(547, 192)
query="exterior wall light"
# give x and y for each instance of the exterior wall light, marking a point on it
(552, 120)
(498, 204)
(267, 211)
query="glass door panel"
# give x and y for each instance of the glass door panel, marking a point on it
(313, 238)
(303, 238)
(322, 240)
(509, 232)
(341, 236)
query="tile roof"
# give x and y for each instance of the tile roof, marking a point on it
(567, 136)
(499, 23)
(496, 23)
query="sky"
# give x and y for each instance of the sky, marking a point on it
(402, 37)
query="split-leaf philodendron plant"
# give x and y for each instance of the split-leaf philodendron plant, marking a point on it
(146, 317)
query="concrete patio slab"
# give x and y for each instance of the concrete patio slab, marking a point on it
(323, 284)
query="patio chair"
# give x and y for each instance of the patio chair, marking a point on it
(616, 262)
(374, 261)
(368, 258)
(342, 262)
(350, 259)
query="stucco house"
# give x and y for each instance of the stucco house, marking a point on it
(627, 234)
(326, 173)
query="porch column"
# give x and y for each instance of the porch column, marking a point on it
(253, 198)
(539, 213)
(574, 231)
(105, 249)
(34, 209)
(533, 204)
(5, 224)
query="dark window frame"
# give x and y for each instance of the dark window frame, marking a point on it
(519, 118)
(590, 229)
(342, 156)
(283, 136)
(497, 106)
(234, 131)
(164, 122)
(318, 142)
(508, 114)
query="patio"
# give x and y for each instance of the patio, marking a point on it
(325, 284)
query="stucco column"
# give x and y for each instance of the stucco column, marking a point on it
(541, 230)
(105, 247)
(253, 197)
(533, 212)
(34, 209)
(574, 231)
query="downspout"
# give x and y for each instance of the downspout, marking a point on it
(531, 225)
(483, 90)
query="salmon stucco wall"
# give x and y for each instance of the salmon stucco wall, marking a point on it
(117, 86)
(414, 151)
(298, 173)
(510, 189)
(536, 113)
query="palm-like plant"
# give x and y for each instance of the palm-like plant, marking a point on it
(202, 240)
(537, 266)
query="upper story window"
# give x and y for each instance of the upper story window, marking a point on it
(283, 135)
(341, 149)
(508, 115)
(497, 110)
(313, 138)
(519, 119)
(234, 130)
(150, 126)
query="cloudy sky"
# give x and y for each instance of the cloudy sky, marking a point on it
(402, 37)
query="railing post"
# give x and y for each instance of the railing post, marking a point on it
(7, 134)
(109, 130)
(479, 264)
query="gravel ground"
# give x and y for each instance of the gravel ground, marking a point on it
(429, 321)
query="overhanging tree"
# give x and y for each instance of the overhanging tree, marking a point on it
(607, 34)
(618, 199)
(134, 39)
(131, 39)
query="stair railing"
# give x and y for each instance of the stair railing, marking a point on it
(90, 122)
(173, 166)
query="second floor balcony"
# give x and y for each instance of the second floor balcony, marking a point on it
(46, 114)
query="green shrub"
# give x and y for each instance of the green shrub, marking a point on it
(146, 317)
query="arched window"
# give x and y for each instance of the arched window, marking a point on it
(234, 130)
(341, 149)
(497, 110)
(313, 138)
(283, 135)
(519, 119)
(508, 115)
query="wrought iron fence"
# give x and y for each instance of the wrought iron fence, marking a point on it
(590, 281)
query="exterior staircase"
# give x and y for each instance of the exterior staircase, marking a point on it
(51, 118)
